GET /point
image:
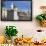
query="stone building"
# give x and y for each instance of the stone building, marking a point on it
(10, 14)
(4, 13)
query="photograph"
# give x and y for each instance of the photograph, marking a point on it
(16, 10)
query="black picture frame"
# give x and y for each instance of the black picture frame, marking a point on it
(12, 16)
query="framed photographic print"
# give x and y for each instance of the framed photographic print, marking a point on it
(16, 10)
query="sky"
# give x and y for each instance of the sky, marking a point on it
(22, 5)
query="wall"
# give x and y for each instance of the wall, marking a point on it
(26, 27)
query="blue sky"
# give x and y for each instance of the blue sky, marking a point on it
(23, 5)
